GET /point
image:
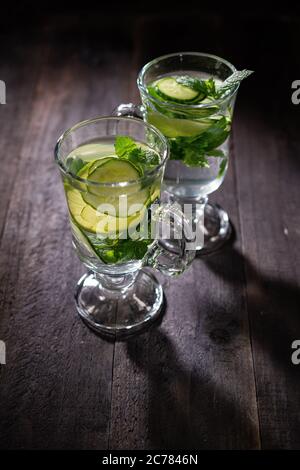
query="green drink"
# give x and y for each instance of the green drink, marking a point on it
(112, 170)
(103, 218)
(198, 137)
(190, 97)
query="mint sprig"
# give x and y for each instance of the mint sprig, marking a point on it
(193, 83)
(222, 168)
(232, 81)
(203, 87)
(127, 149)
(193, 151)
(74, 165)
(124, 145)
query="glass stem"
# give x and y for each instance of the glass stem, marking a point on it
(117, 283)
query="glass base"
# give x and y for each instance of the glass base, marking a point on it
(217, 228)
(119, 308)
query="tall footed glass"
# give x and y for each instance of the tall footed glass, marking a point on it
(112, 169)
(197, 124)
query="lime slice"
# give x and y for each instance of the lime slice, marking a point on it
(172, 127)
(92, 165)
(120, 201)
(114, 170)
(169, 88)
(89, 219)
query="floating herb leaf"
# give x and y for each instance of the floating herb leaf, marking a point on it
(124, 145)
(74, 165)
(193, 151)
(127, 149)
(222, 168)
(215, 153)
(193, 83)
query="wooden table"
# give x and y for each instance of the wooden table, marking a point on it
(216, 373)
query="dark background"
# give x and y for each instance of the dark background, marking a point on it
(216, 373)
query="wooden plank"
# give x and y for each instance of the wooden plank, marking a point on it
(268, 192)
(189, 382)
(19, 70)
(56, 387)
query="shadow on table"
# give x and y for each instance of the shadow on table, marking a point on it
(274, 314)
(273, 304)
(186, 409)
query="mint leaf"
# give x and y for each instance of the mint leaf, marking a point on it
(205, 87)
(125, 250)
(74, 165)
(192, 157)
(232, 81)
(143, 157)
(127, 149)
(190, 153)
(193, 151)
(215, 153)
(124, 145)
(191, 82)
(215, 135)
(222, 168)
(210, 87)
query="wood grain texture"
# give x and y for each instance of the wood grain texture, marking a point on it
(189, 383)
(268, 194)
(19, 91)
(215, 373)
(55, 389)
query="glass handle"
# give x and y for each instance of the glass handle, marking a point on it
(173, 250)
(129, 109)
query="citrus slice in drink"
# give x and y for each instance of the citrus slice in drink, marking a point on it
(172, 127)
(121, 200)
(102, 224)
(113, 170)
(93, 165)
(170, 89)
